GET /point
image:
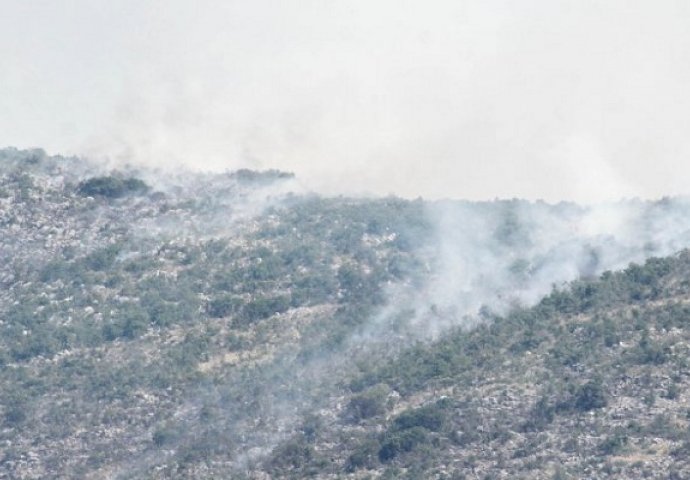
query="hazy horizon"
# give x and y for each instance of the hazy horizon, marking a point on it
(583, 101)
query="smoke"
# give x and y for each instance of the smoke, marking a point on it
(458, 99)
(200, 206)
(495, 256)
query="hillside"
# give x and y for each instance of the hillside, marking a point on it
(193, 325)
(590, 383)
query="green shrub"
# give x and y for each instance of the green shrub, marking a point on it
(102, 259)
(649, 351)
(613, 444)
(366, 455)
(132, 321)
(540, 416)
(294, 453)
(261, 308)
(223, 306)
(590, 396)
(245, 175)
(165, 435)
(15, 416)
(430, 417)
(111, 187)
(397, 442)
(370, 403)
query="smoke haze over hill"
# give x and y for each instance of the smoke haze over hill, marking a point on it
(464, 99)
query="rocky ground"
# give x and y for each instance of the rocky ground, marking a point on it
(188, 325)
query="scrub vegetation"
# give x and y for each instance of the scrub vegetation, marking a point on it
(229, 326)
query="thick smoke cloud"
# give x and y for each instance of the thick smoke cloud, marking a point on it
(561, 100)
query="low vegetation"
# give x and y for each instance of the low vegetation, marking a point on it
(173, 335)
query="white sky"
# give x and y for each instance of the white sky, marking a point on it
(553, 99)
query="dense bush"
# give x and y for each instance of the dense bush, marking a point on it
(590, 396)
(397, 442)
(112, 187)
(431, 417)
(261, 308)
(367, 404)
(365, 455)
(103, 258)
(412, 428)
(266, 177)
(293, 454)
(223, 306)
(613, 444)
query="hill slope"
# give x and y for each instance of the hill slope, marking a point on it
(590, 383)
(230, 325)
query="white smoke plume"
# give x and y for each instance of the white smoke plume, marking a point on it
(501, 255)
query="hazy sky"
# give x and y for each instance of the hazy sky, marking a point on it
(551, 99)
